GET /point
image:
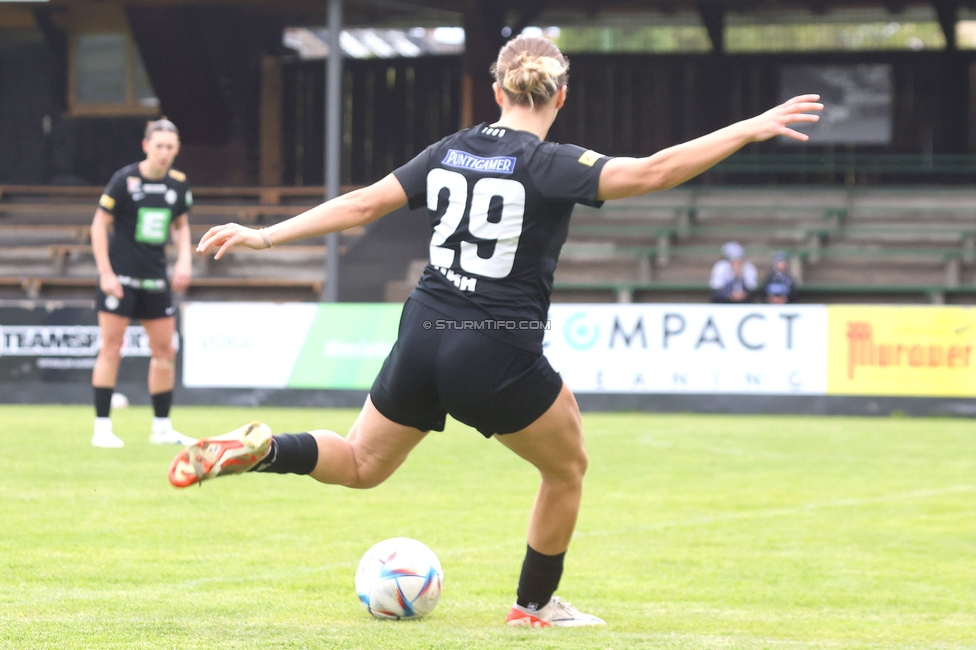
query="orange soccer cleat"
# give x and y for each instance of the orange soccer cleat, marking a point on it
(232, 453)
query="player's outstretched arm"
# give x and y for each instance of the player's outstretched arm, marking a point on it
(347, 211)
(626, 177)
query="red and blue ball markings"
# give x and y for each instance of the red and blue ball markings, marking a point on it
(395, 573)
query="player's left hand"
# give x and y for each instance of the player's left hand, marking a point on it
(223, 238)
(181, 276)
(775, 121)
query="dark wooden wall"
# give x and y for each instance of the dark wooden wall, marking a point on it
(618, 104)
(28, 93)
(639, 104)
(392, 109)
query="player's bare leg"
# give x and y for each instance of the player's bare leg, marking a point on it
(554, 445)
(373, 450)
(112, 329)
(375, 447)
(104, 375)
(162, 376)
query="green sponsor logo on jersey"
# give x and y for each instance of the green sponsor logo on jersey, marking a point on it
(152, 225)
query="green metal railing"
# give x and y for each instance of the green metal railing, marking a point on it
(846, 163)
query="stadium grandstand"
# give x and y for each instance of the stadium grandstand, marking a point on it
(878, 207)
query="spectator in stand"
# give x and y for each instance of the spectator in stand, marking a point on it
(779, 286)
(733, 278)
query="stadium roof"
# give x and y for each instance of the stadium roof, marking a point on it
(520, 13)
(517, 14)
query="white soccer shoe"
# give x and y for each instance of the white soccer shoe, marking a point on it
(232, 453)
(171, 437)
(107, 439)
(163, 433)
(102, 435)
(556, 613)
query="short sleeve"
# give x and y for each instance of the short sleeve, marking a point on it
(114, 192)
(413, 178)
(184, 203)
(568, 172)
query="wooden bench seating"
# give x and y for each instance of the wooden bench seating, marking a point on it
(32, 285)
(269, 195)
(211, 213)
(648, 245)
(212, 204)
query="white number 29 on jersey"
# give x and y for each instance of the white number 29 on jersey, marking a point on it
(505, 233)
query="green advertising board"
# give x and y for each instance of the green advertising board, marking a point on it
(346, 345)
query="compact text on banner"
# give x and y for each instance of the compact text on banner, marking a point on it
(675, 348)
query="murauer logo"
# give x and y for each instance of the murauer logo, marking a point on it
(863, 351)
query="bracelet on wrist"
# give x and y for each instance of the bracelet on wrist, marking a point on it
(266, 237)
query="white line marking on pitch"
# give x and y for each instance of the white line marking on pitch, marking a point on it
(778, 512)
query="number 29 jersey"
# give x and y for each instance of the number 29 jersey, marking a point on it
(499, 201)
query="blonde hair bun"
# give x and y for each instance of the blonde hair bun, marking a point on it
(531, 70)
(533, 76)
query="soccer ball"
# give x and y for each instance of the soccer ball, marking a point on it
(119, 401)
(400, 579)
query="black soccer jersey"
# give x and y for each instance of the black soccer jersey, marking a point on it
(499, 202)
(143, 211)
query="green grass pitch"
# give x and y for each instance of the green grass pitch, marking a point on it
(696, 532)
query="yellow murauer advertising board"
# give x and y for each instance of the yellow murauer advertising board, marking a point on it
(907, 351)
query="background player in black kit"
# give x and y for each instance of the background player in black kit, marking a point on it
(499, 199)
(141, 204)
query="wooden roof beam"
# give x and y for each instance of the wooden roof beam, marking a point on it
(713, 17)
(895, 7)
(530, 11)
(483, 23)
(948, 14)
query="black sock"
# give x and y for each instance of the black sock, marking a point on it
(291, 453)
(162, 403)
(103, 401)
(539, 579)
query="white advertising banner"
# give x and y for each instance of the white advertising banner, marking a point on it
(243, 345)
(662, 348)
(69, 341)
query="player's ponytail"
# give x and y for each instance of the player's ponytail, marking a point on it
(531, 70)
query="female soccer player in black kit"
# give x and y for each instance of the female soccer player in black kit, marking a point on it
(499, 198)
(141, 203)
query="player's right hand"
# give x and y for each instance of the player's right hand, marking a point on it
(110, 285)
(222, 238)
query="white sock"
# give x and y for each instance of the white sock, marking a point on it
(161, 425)
(103, 425)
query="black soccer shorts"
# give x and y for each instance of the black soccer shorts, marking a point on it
(481, 381)
(138, 304)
